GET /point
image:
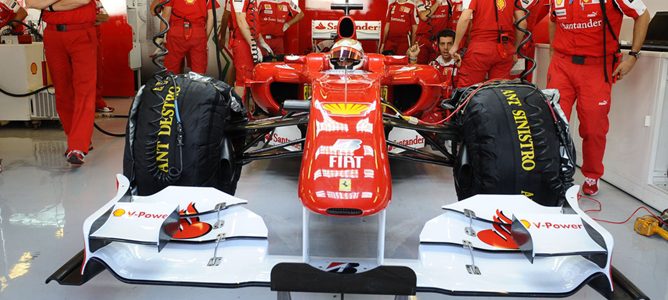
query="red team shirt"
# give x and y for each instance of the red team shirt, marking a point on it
(8, 10)
(274, 13)
(456, 13)
(438, 21)
(193, 11)
(82, 15)
(401, 16)
(486, 28)
(252, 18)
(579, 24)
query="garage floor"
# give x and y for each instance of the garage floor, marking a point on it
(43, 202)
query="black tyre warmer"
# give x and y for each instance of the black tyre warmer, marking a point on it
(161, 151)
(510, 145)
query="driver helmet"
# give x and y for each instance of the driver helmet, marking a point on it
(347, 53)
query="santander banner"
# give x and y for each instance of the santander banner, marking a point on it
(326, 29)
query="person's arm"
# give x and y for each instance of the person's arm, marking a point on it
(21, 14)
(385, 32)
(640, 25)
(209, 22)
(64, 5)
(551, 28)
(166, 14)
(413, 33)
(292, 21)
(462, 27)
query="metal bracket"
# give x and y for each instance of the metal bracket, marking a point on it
(469, 214)
(472, 268)
(215, 260)
(218, 208)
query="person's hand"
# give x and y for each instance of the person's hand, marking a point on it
(413, 51)
(453, 51)
(515, 58)
(101, 18)
(458, 59)
(624, 68)
(285, 27)
(266, 47)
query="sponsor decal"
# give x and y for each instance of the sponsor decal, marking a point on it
(33, 68)
(582, 25)
(415, 142)
(603, 103)
(592, 15)
(559, 3)
(267, 6)
(320, 26)
(345, 185)
(345, 161)
(282, 7)
(364, 126)
(523, 131)
(560, 12)
(191, 227)
(340, 147)
(366, 30)
(278, 139)
(342, 267)
(341, 195)
(138, 214)
(190, 2)
(328, 173)
(500, 5)
(346, 109)
(551, 226)
(499, 236)
(165, 130)
(405, 10)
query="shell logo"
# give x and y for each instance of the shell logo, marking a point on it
(501, 4)
(560, 2)
(119, 212)
(525, 223)
(33, 68)
(346, 109)
(190, 2)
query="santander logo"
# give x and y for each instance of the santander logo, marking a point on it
(191, 227)
(499, 236)
(320, 26)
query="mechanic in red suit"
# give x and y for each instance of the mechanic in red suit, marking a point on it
(493, 39)
(191, 23)
(401, 23)
(276, 16)
(70, 45)
(446, 65)
(11, 10)
(434, 17)
(246, 41)
(585, 64)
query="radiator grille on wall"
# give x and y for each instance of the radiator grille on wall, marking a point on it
(43, 106)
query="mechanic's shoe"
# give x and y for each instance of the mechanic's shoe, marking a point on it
(590, 186)
(106, 109)
(90, 147)
(76, 157)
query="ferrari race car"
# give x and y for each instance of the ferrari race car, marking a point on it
(174, 219)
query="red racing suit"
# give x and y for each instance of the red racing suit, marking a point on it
(70, 45)
(273, 14)
(428, 30)
(187, 35)
(577, 67)
(241, 51)
(401, 16)
(490, 51)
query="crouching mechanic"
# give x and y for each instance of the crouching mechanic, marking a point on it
(276, 16)
(10, 10)
(445, 63)
(586, 62)
(190, 23)
(245, 42)
(493, 39)
(70, 45)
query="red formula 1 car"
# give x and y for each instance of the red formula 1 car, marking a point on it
(357, 113)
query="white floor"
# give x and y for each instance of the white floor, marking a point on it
(43, 202)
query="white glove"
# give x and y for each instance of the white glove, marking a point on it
(6, 30)
(255, 52)
(285, 27)
(160, 41)
(266, 47)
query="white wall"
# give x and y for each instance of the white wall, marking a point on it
(656, 5)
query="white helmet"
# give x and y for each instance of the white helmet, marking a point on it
(347, 54)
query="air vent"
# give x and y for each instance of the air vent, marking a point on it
(344, 211)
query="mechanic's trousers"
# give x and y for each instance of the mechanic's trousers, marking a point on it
(242, 60)
(99, 102)
(181, 44)
(482, 61)
(276, 44)
(398, 45)
(585, 84)
(72, 60)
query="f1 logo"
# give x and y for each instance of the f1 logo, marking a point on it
(343, 268)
